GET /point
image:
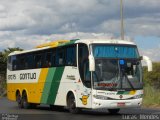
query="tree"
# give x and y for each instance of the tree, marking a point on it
(3, 67)
(4, 57)
(153, 78)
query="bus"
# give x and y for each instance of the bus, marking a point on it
(78, 74)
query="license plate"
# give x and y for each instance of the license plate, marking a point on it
(121, 104)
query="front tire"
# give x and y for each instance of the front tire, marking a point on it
(114, 111)
(71, 104)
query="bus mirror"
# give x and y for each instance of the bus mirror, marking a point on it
(149, 63)
(91, 63)
(141, 58)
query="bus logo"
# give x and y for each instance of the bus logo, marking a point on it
(121, 96)
(84, 99)
(71, 77)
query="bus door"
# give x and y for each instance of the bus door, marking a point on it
(84, 93)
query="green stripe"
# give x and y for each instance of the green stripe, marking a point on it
(68, 43)
(123, 92)
(47, 86)
(72, 41)
(55, 85)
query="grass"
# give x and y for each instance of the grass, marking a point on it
(151, 97)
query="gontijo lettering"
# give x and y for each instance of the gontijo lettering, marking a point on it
(27, 76)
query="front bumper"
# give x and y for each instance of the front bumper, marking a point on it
(111, 104)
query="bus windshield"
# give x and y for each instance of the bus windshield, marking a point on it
(117, 67)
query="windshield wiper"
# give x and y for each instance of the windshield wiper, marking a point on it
(125, 75)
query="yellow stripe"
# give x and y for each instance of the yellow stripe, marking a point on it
(40, 85)
(132, 92)
(34, 90)
(52, 44)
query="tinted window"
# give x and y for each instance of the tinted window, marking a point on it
(63, 56)
(53, 58)
(71, 56)
(22, 62)
(30, 61)
(115, 51)
(60, 57)
(9, 64)
(48, 59)
(84, 64)
(38, 59)
(14, 62)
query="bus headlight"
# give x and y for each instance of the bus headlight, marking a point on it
(100, 97)
(138, 96)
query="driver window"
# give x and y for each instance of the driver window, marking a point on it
(87, 74)
(131, 68)
(83, 63)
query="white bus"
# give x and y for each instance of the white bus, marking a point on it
(77, 74)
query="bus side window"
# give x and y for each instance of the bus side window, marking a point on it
(53, 59)
(9, 64)
(14, 65)
(38, 60)
(71, 56)
(47, 62)
(87, 74)
(29, 60)
(22, 65)
(14, 62)
(60, 53)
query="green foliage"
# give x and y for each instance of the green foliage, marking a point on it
(3, 58)
(152, 78)
(3, 67)
(152, 86)
(151, 96)
(7, 51)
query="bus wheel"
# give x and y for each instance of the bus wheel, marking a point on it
(33, 105)
(25, 103)
(18, 99)
(56, 108)
(71, 104)
(113, 111)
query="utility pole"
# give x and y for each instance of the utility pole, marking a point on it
(122, 22)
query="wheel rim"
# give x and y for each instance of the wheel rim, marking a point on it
(25, 101)
(18, 99)
(72, 104)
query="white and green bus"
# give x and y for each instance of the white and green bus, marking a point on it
(77, 74)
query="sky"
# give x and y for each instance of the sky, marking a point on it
(27, 23)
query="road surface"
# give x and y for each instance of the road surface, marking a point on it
(9, 109)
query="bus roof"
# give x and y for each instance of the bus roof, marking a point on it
(73, 41)
(105, 41)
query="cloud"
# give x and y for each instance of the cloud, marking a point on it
(20, 22)
(24, 22)
(7, 43)
(31, 41)
(151, 53)
(48, 17)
